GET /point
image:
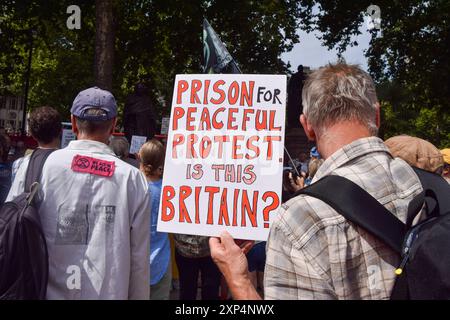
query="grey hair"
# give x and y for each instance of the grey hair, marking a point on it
(93, 127)
(120, 146)
(340, 92)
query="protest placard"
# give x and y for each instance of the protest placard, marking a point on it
(224, 156)
(67, 134)
(136, 143)
(165, 125)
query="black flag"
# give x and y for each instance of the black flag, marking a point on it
(216, 57)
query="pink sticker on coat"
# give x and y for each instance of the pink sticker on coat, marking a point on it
(95, 166)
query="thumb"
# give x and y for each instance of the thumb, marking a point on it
(227, 240)
(247, 246)
(214, 242)
(215, 246)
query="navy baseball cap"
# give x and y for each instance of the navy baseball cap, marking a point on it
(94, 98)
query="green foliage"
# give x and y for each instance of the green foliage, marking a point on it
(425, 123)
(62, 58)
(155, 40)
(409, 59)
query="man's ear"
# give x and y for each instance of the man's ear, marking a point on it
(74, 125)
(378, 115)
(310, 134)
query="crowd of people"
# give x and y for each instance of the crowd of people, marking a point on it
(101, 224)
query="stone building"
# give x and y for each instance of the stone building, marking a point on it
(11, 113)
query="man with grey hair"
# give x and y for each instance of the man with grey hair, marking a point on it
(313, 252)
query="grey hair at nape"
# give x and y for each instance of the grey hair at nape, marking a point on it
(340, 92)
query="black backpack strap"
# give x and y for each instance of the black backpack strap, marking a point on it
(34, 170)
(414, 208)
(437, 186)
(359, 207)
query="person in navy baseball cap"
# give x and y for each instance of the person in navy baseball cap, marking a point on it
(94, 98)
(113, 234)
(94, 115)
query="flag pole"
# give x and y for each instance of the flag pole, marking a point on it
(292, 161)
(236, 66)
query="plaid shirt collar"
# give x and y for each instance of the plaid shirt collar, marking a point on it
(314, 253)
(348, 153)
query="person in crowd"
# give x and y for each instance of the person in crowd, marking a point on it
(294, 91)
(417, 152)
(5, 168)
(193, 256)
(313, 252)
(121, 148)
(288, 189)
(446, 171)
(45, 127)
(256, 258)
(314, 153)
(297, 183)
(302, 163)
(313, 166)
(94, 211)
(151, 156)
(139, 116)
(20, 148)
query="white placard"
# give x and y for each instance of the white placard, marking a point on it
(224, 156)
(136, 143)
(165, 125)
(67, 134)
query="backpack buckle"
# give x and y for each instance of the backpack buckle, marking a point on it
(33, 190)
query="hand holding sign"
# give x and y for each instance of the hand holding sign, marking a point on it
(226, 136)
(232, 263)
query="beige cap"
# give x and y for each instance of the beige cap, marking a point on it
(417, 152)
(446, 155)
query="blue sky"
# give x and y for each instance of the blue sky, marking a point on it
(311, 53)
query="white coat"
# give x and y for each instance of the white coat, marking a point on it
(96, 227)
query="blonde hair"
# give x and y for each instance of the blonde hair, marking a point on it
(313, 166)
(152, 155)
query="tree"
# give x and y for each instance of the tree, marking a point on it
(155, 39)
(104, 44)
(62, 58)
(410, 56)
